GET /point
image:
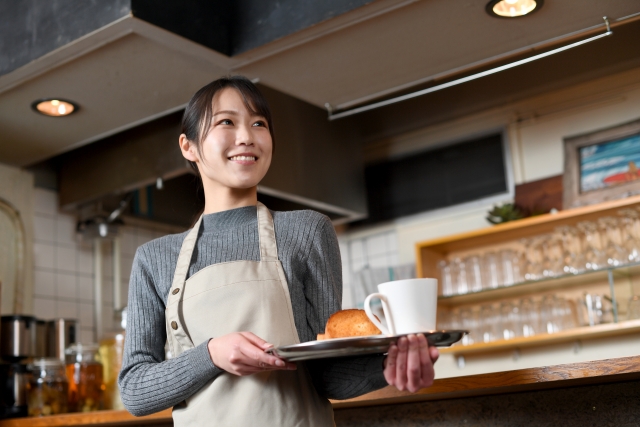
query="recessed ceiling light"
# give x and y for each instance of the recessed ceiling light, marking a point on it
(54, 107)
(512, 8)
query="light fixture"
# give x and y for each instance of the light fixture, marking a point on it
(54, 107)
(512, 8)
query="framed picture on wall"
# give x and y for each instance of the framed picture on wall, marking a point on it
(602, 165)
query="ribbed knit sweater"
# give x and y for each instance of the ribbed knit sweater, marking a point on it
(310, 256)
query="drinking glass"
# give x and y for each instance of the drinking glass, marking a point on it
(446, 278)
(510, 320)
(630, 226)
(552, 262)
(573, 252)
(550, 314)
(488, 330)
(530, 318)
(534, 258)
(459, 274)
(511, 267)
(596, 309)
(595, 253)
(614, 245)
(473, 273)
(491, 274)
(469, 322)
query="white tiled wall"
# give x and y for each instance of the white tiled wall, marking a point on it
(63, 273)
(379, 249)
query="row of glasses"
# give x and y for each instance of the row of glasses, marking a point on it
(512, 319)
(477, 272)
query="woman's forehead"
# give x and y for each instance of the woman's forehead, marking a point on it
(231, 100)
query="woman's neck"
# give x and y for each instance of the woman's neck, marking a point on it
(224, 199)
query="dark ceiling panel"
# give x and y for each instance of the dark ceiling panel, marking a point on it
(38, 27)
(233, 27)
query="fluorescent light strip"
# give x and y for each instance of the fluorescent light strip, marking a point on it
(437, 88)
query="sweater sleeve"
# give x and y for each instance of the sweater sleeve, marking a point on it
(338, 378)
(149, 383)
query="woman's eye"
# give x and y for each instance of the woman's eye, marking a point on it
(260, 123)
(225, 122)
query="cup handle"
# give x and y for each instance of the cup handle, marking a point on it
(374, 319)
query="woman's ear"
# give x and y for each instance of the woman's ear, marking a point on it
(188, 148)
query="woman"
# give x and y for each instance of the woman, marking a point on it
(241, 280)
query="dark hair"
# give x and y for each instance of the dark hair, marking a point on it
(196, 119)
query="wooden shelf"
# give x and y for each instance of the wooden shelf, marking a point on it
(545, 285)
(428, 253)
(583, 333)
(103, 418)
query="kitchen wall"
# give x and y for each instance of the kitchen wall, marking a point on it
(534, 131)
(64, 266)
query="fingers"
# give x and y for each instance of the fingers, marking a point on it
(243, 354)
(409, 363)
(434, 353)
(414, 368)
(401, 364)
(390, 365)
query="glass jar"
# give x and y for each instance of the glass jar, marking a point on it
(84, 372)
(111, 352)
(48, 388)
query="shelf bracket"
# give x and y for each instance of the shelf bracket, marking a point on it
(614, 301)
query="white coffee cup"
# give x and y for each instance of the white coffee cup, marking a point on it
(409, 306)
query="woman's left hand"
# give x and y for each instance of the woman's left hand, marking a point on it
(409, 363)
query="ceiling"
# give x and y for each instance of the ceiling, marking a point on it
(130, 72)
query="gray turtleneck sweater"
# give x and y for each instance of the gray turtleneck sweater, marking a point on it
(310, 256)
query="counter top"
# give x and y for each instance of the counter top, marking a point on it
(557, 376)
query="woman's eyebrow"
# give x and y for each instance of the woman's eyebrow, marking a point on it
(217, 113)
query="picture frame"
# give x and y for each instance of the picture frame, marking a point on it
(602, 165)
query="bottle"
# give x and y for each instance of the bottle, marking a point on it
(111, 351)
(85, 376)
(47, 389)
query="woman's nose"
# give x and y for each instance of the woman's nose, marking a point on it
(243, 136)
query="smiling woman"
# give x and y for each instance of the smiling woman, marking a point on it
(243, 280)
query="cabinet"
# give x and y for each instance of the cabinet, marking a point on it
(617, 283)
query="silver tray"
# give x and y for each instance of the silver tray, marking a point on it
(357, 346)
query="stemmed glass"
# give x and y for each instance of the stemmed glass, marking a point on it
(630, 226)
(594, 245)
(610, 229)
(573, 252)
(534, 255)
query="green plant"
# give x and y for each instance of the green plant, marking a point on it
(504, 213)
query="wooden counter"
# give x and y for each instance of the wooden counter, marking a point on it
(549, 377)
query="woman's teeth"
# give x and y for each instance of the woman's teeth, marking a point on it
(243, 158)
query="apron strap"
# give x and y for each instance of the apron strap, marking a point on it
(177, 291)
(267, 234)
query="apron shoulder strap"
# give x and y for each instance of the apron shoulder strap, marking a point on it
(267, 234)
(184, 259)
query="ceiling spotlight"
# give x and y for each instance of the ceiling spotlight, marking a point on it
(512, 8)
(54, 107)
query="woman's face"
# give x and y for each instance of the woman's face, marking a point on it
(236, 153)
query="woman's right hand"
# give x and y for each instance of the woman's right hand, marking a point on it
(243, 353)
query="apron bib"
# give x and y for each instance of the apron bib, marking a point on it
(234, 297)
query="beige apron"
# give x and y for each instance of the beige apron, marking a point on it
(234, 297)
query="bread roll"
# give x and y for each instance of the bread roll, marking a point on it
(348, 323)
